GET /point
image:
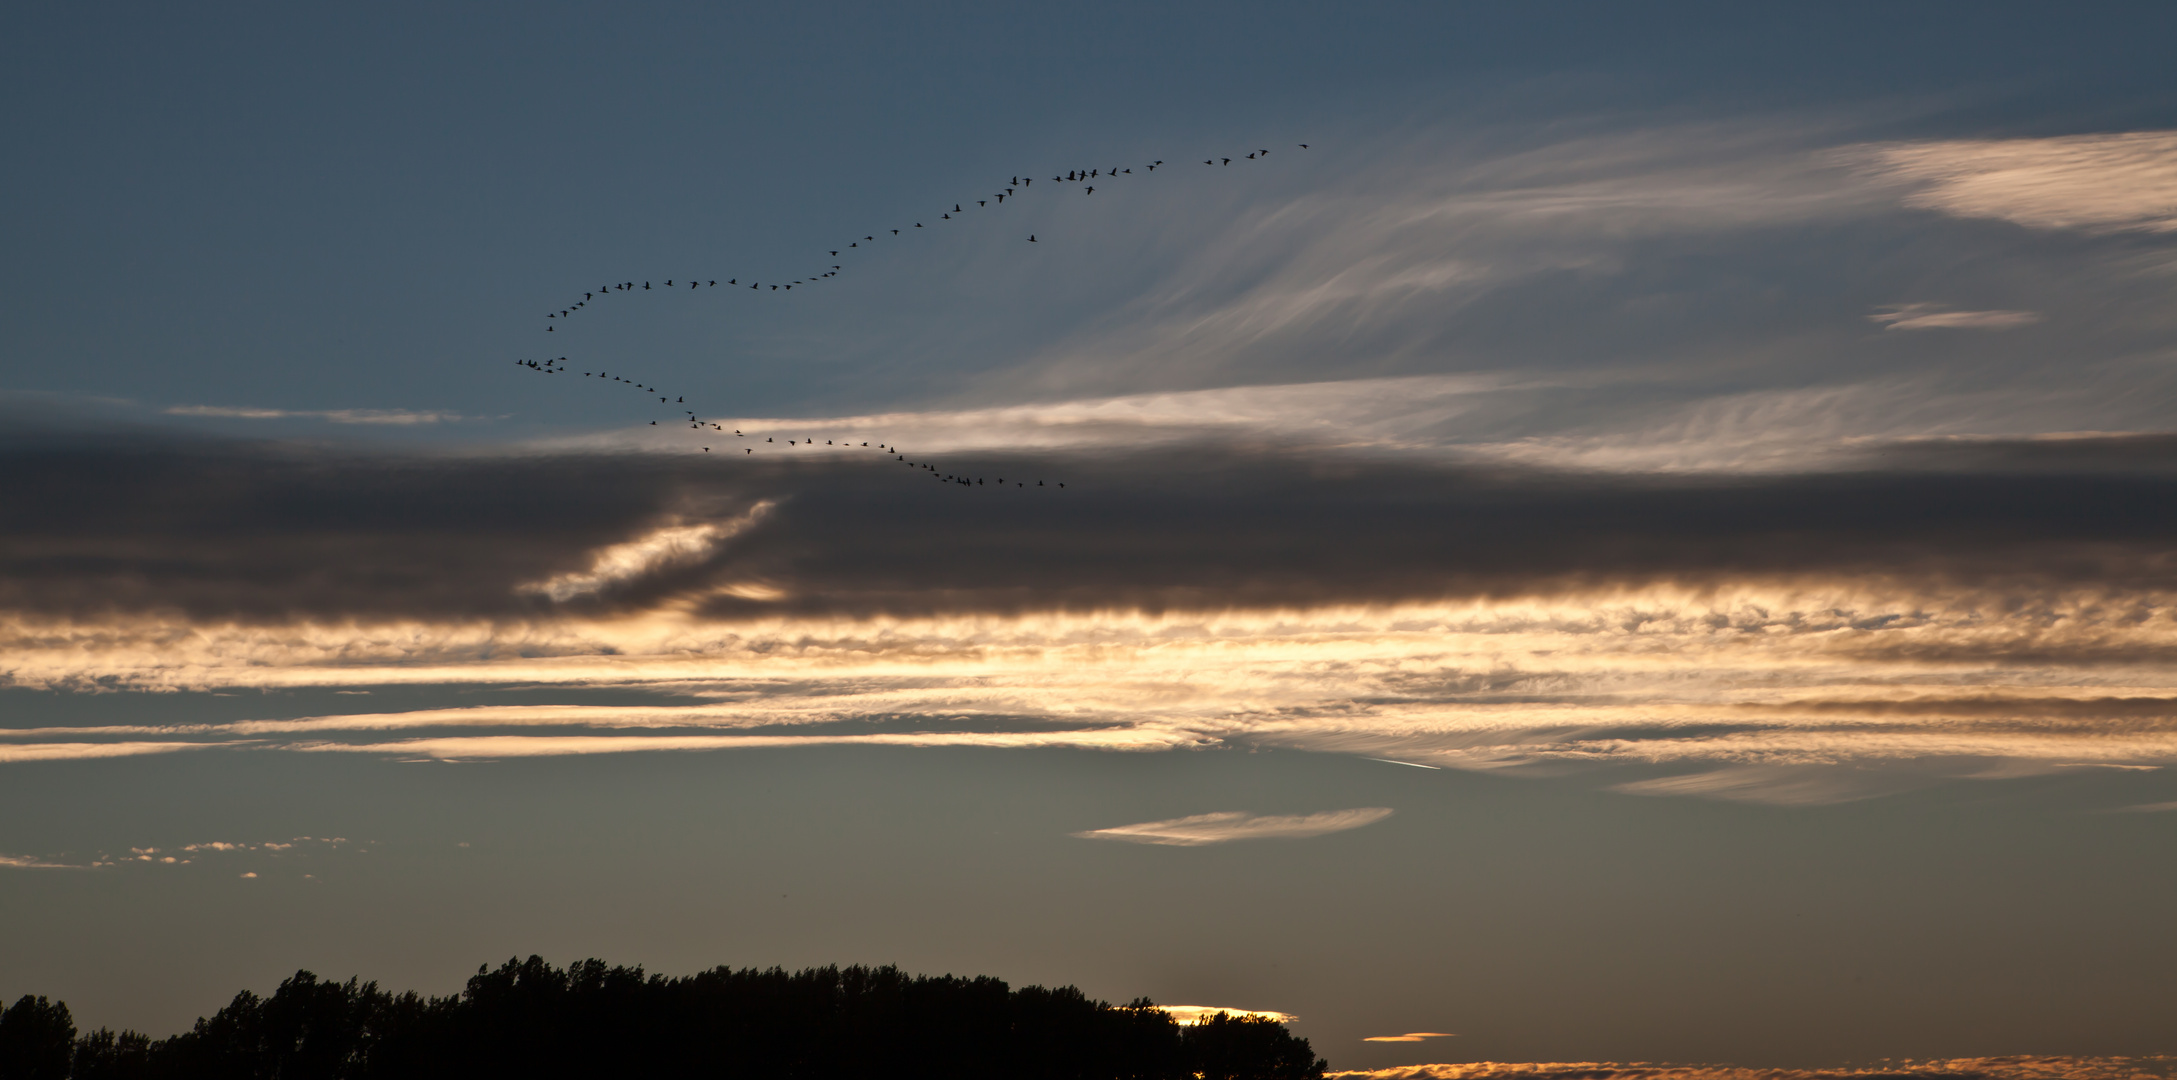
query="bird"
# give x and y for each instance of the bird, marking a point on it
(1031, 238)
(1091, 190)
(1303, 146)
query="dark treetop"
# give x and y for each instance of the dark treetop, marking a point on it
(530, 1019)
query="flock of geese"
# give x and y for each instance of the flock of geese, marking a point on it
(1015, 188)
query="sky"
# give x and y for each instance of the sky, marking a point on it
(1588, 533)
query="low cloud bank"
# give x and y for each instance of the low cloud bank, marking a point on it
(209, 532)
(1987, 1068)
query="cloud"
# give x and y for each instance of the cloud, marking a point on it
(1230, 825)
(1932, 317)
(1926, 610)
(1188, 1015)
(212, 537)
(2022, 1067)
(665, 548)
(76, 751)
(1410, 1037)
(2094, 183)
(32, 862)
(1773, 785)
(399, 417)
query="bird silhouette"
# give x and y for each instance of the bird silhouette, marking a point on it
(1014, 186)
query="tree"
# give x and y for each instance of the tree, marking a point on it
(103, 1055)
(1227, 1047)
(37, 1039)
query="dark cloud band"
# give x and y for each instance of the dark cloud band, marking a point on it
(257, 532)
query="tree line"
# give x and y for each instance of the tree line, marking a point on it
(532, 1020)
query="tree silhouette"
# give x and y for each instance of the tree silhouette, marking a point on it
(1227, 1047)
(103, 1055)
(531, 1020)
(37, 1040)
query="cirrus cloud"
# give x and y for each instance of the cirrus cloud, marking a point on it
(1226, 826)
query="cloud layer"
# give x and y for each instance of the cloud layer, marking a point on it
(1949, 607)
(1988, 1068)
(1499, 452)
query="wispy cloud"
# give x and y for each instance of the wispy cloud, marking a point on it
(401, 417)
(1410, 1037)
(76, 751)
(2097, 183)
(661, 549)
(1226, 826)
(1933, 317)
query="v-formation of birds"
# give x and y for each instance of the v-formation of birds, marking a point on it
(1015, 188)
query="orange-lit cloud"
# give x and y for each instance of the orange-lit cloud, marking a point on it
(658, 550)
(1988, 1068)
(1226, 826)
(1749, 694)
(1195, 1014)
